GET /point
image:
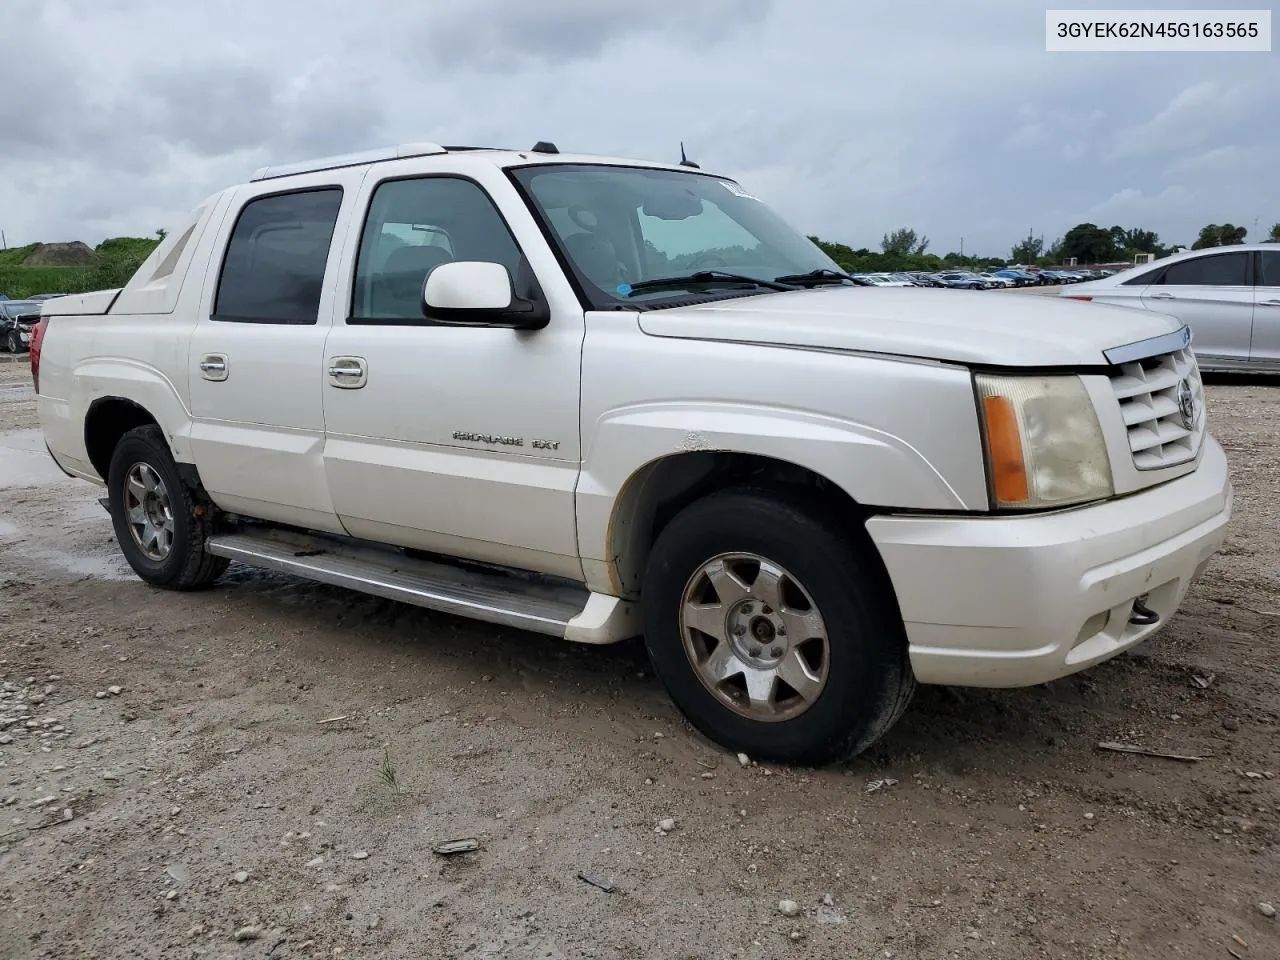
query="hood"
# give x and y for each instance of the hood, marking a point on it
(964, 326)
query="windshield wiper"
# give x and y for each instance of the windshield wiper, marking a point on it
(815, 277)
(704, 277)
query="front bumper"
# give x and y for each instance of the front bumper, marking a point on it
(1016, 601)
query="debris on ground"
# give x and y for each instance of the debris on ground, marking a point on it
(333, 719)
(597, 881)
(789, 908)
(1202, 681)
(248, 933)
(881, 784)
(1266, 909)
(666, 825)
(449, 847)
(1147, 752)
(744, 760)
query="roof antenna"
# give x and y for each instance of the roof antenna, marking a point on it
(685, 161)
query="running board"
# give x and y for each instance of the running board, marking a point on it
(525, 601)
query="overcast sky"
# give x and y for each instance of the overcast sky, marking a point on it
(851, 118)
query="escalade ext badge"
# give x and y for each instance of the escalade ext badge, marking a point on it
(1180, 339)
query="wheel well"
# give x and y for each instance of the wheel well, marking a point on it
(661, 489)
(109, 419)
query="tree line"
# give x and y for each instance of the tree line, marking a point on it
(905, 250)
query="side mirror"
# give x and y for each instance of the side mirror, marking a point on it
(476, 293)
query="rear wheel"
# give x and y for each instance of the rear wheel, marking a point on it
(774, 634)
(161, 523)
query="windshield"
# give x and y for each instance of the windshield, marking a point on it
(619, 226)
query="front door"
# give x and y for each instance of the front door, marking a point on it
(458, 440)
(1213, 295)
(254, 366)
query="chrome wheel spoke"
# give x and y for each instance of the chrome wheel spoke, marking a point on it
(722, 664)
(802, 625)
(136, 515)
(767, 586)
(760, 686)
(709, 618)
(134, 485)
(796, 673)
(726, 582)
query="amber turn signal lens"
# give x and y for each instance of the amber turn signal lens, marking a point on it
(1004, 449)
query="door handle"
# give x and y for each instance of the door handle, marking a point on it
(349, 373)
(213, 366)
(1163, 296)
(1269, 303)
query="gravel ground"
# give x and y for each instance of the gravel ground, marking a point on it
(263, 769)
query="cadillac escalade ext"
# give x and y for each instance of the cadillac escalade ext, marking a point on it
(599, 399)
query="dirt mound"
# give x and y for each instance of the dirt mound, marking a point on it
(74, 254)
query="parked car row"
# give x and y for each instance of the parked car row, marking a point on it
(987, 280)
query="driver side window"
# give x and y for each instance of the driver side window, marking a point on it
(414, 226)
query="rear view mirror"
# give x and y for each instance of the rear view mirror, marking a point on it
(672, 207)
(477, 293)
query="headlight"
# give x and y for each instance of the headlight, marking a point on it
(1044, 445)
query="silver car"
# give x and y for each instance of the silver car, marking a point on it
(1228, 296)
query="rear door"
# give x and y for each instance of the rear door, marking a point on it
(1265, 348)
(255, 359)
(1212, 294)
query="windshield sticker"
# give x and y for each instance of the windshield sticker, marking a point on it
(737, 191)
(624, 290)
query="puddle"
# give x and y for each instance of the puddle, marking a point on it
(24, 461)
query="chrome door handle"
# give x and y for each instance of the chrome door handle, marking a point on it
(214, 366)
(348, 372)
(1163, 296)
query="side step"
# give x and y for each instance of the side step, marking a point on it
(553, 607)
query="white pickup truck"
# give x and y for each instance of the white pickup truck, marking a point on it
(600, 398)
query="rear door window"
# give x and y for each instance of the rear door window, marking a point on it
(275, 261)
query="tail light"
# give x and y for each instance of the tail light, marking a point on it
(1078, 296)
(37, 337)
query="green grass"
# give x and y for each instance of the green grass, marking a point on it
(14, 256)
(117, 260)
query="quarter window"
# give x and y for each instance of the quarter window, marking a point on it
(413, 227)
(1217, 270)
(275, 263)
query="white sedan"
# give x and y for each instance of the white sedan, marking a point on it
(1228, 296)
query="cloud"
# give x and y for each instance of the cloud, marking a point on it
(951, 119)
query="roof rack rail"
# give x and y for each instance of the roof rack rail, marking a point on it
(347, 160)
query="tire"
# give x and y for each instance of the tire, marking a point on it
(175, 558)
(863, 668)
(14, 344)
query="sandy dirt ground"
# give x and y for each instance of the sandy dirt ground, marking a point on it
(263, 769)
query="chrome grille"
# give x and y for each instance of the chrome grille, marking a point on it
(1153, 394)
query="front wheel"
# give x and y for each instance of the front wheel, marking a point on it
(14, 344)
(773, 633)
(161, 524)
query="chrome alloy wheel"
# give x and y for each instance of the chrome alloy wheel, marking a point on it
(755, 637)
(148, 511)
